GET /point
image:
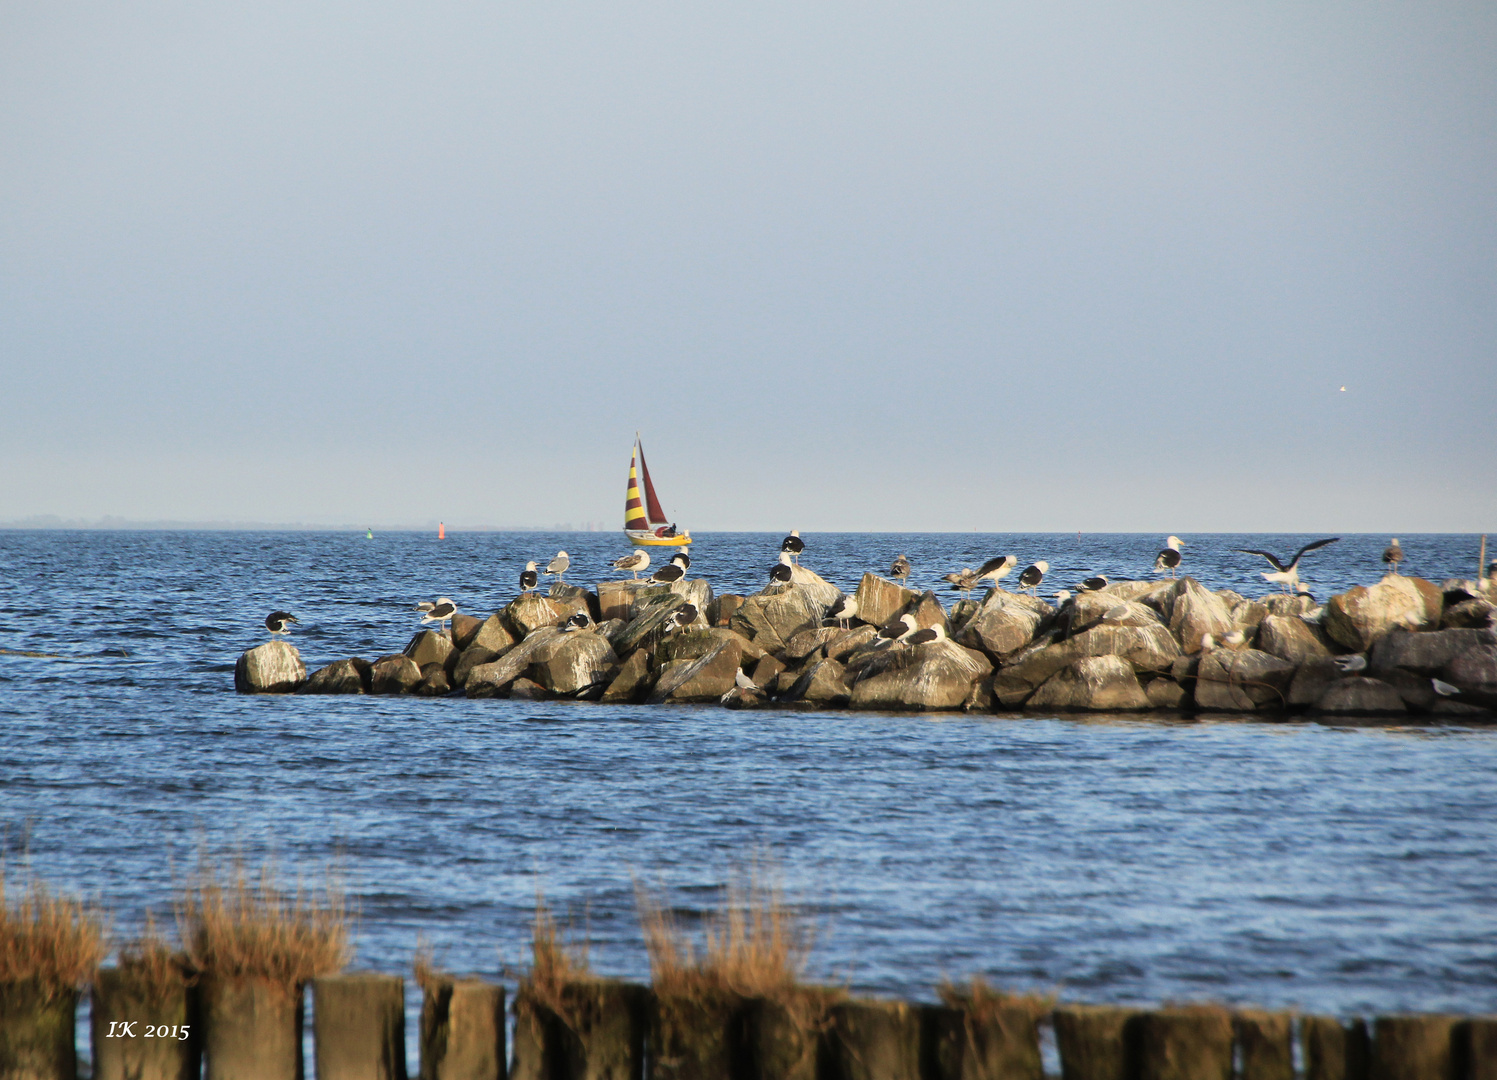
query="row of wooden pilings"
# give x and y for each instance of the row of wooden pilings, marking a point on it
(607, 1030)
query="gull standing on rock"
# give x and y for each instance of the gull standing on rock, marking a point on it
(779, 573)
(276, 622)
(844, 610)
(681, 618)
(672, 571)
(1393, 556)
(1033, 575)
(1094, 584)
(793, 545)
(923, 637)
(896, 628)
(1287, 576)
(1169, 558)
(440, 612)
(528, 577)
(557, 567)
(997, 569)
(962, 581)
(633, 562)
(900, 569)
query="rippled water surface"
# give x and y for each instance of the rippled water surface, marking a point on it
(1339, 869)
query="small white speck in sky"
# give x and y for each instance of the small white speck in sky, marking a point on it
(1343, 389)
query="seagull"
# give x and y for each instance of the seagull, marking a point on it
(633, 562)
(897, 628)
(779, 573)
(276, 622)
(1234, 639)
(1033, 575)
(528, 577)
(578, 621)
(1207, 643)
(1443, 688)
(425, 605)
(1095, 583)
(558, 566)
(670, 572)
(1169, 558)
(440, 612)
(793, 545)
(963, 580)
(683, 557)
(844, 610)
(1393, 556)
(900, 569)
(1351, 662)
(922, 637)
(1062, 596)
(1287, 575)
(741, 684)
(998, 568)
(682, 617)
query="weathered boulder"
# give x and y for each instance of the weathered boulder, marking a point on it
(1287, 604)
(434, 682)
(531, 611)
(823, 683)
(807, 642)
(1474, 669)
(1166, 693)
(695, 591)
(745, 698)
(394, 675)
(494, 678)
(1089, 609)
(1247, 615)
(817, 587)
(937, 675)
(1005, 623)
(772, 617)
(616, 598)
(766, 671)
(645, 627)
(1194, 611)
(523, 689)
(692, 644)
(576, 598)
(494, 635)
(1147, 648)
(633, 679)
(1291, 638)
(1359, 696)
(430, 647)
(879, 600)
(272, 668)
(577, 664)
(468, 659)
(464, 627)
(721, 609)
(1470, 614)
(849, 642)
(706, 678)
(1417, 691)
(1428, 654)
(1314, 678)
(1242, 679)
(340, 677)
(1102, 683)
(1362, 614)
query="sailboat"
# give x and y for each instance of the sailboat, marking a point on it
(644, 522)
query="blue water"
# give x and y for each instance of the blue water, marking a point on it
(1336, 869)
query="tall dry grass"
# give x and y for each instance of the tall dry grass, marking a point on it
(983, 1002)
(153, 967)
(237, 929)
(755, 944)
(554, 963)
(54, 942)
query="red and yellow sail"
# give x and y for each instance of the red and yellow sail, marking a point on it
(644, 519)
(634, 509)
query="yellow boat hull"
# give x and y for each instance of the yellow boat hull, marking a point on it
(640, 538)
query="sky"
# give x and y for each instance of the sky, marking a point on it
(1159, 267)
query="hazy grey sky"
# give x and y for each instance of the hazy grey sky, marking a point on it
(845, 265)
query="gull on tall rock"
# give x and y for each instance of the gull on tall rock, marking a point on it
(923, 637)
(1095, 583)
(779, 573)
(557, 567)
(900, 568)
(1287, 575)
(633, 562)
(440, 612)
(997, 569)
(681, 618)
(1033, 575)
(672, 571)
(962, 581)
(793, 545)
(1393, 555)
(528, 577)
(276, 622)
(844, 610)
(1169, 558)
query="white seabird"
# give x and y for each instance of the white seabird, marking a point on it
(779, 573)
(674, 570)
(1169, 558)
(997, 569)
(1393, 555)
(793, 545)
(440, 612)
(682, 617)
(633, 562)
(1287, 575)
(528, 577)
(557, 567)
(1351, 662)
(1443, 688)
(1033, 575)
(923, 637)
(844, 610)
(896, 628)
(276, 622)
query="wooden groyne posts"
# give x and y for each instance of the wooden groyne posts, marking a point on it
(608, 1030)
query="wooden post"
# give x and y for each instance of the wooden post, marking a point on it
(874, 1040)
(252, 1030)
(1479, 1037)
(1333, 1050)
(462, 1030)
(1413, 1048)
(1096, 1042)
(1192, 1043)
(120, 1000)
(1264, 1039)
(694, 1035)
(358, 1027)
(37, 1031)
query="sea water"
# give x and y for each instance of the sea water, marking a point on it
(1337, 869)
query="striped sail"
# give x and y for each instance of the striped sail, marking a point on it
(634, 508)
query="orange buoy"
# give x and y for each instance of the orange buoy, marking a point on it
(441, 530)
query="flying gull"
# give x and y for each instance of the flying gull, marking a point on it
(1169, 558)
(1287, 575)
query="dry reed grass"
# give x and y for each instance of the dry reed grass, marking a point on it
(553, 962)
(237, 930)
(984, 1003)
(153, 968)
(755, 943)
(53, 942)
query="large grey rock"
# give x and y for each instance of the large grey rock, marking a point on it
(1313, 678)
(928, 612)
(1194, 611)
(1247, 615)
(706, 678)
(841, 647)
(272, 668)
(693, 644)
(818, 588)
(632, 680)
(1470, 614)
(464, 628)
(1152, 593)
(807, 642)
(823, 683)
(644, 628)
(1286, 604)
(434, 681)
(470, 658)
(430, 647)
(879, 599)
(1428, 653)
(1005, 623)
(1291, 638)
(1166, 693)
(694, 591)
(772, 617)
(1475, 669)
(1100, 683)
(1362, 614)
(767, 672)
(494, 635)
(495, 678)
(340, 677)
(394, 675)
(1359, 696)
(1146, 648)
(529, 612)
(721, 609)
(938, 675)
(1242, 679)
(1090, 609)
(616, 598)
(574, 664)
